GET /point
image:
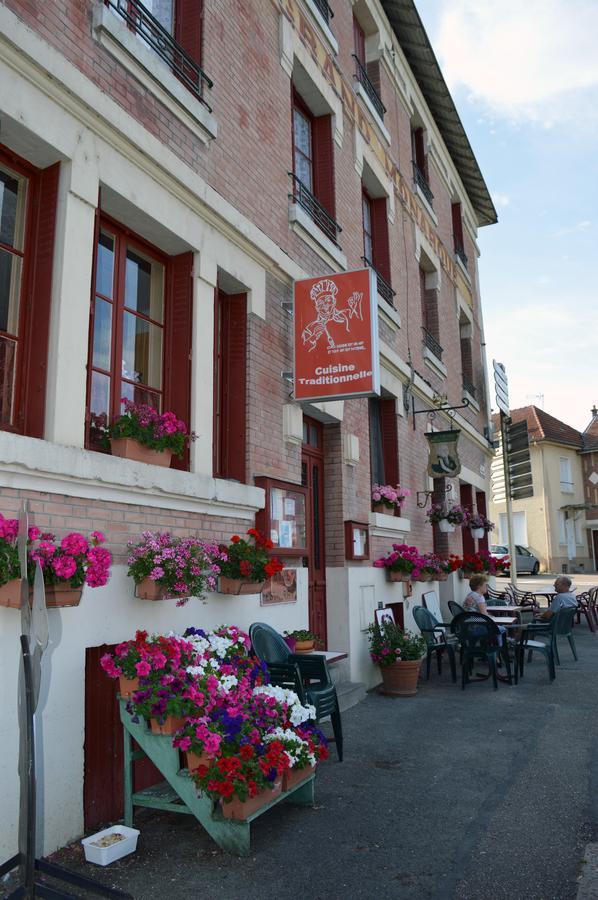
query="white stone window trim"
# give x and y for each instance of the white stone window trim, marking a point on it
(303, 225)
(37, 465)
(417, 191)
(385, 526)
(463, 268)
(473, 403)
(322, 24)
(153, 73)
(389, 312)
(362, 94)
(433, 363)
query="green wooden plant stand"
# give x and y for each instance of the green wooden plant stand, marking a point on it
(177, 793)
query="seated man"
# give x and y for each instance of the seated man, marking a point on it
(562, 599)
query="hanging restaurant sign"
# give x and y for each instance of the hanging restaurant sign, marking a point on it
(443, 461)
(336, 336)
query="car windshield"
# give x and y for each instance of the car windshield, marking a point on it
(497, 549)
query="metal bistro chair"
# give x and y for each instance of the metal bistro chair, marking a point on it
(498, 598)
(521, 598)
(433, 632)
(480, 637)
(587, 609)
(308, 676)
(455, 608)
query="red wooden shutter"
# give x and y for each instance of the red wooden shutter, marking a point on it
(480, 498)
(359, 40)
(38, 302)
(457, 224)
(381, 252)
(390, 441)
(419, 151)
(466, 499)
(187, 29)
(179, 323)
(233, 386)
(323, 150)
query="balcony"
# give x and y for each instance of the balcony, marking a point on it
(422, 182)
(460, 252)
(469, 386)
(384, 288)
(324, 10)
(142, 23)
(371, 92)
(431, 343)
(314, 209)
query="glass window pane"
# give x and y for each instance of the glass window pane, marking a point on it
(8, 355)
(99, 405)
(313, 435)
(13, 190)
(142, 351)
(144, 285)
(303, 171)
(102, 334)
(139, 394)
(10, 291)
(105, 265)
(302, 132)
(162, 11)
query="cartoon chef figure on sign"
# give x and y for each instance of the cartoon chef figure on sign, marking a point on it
(323, 293)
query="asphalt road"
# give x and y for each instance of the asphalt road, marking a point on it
(469, 794)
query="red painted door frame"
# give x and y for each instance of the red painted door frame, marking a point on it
(312, 477)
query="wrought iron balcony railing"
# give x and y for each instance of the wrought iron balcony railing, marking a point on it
(422, 182)
(324, 10)
(140, 20)
(469, 386)
(314, 209)
(384, 288)
(460, 252)
(364, 79)
(431, 343)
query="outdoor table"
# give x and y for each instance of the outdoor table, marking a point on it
(331, 656)
(505, 620)
(503, 610)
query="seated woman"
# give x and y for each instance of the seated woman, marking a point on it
(476, 599)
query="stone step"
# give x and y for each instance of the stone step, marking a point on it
(350, 693)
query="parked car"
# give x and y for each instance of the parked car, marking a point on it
(527, 561)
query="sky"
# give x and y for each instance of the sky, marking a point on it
(524, 79)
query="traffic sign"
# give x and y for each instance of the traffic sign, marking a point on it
(501, 387)
(519, 461)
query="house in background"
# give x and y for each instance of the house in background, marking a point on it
(589, 464)
(553, 521)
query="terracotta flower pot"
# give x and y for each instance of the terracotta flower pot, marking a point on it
(170, 725)
(10, 594)
(292, 777)
(127, 686)
(400, 679)
(304, 646)
(149, 590)
(196, 759)
(238, 586)
(241, 809)
(58, 595)
(129, 448)
(398, 576)
(381, 507)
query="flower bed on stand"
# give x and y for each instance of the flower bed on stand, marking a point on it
(242, 735)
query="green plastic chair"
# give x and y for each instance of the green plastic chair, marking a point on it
(308, 676)
(528, 642)
(433, 632)
(563, 627)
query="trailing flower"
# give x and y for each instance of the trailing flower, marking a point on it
(390, 644)
(480, 562)
(392, 497)
(248, 560)
(410, 561)
(478, 520)
(159, 431)
(184, 567)
(456, 515)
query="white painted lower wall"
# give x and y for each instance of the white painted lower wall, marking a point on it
(105, 615)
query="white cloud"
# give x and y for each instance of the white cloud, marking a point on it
(573, 229)
(533, 60)
(500, 199)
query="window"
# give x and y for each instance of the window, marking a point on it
(420, 163)
(562, 527)
(230, 385)
(567, 486)
(313, 166)
(375, 242)
(430, 323)
(27, 226)
(367, 74)
(465, 335)
(384, 444)
(458, 240)
(140, 334)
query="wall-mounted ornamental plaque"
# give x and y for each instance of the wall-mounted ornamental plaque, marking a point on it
(443, 461)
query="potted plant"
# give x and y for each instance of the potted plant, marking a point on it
(479, 525)
(247, 564)
(10, 569)
(478, 563)
(145, 435)
(399, 655)
(163, 566)
(68, 565)
(398, 565)
(446, 517)
(388, 499)
(304, 640)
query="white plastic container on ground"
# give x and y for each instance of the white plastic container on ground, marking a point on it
(103, 856)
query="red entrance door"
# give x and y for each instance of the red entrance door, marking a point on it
(312, 477)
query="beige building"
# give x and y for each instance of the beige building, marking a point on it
(552, 523)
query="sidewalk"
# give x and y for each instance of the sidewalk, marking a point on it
(474, 794)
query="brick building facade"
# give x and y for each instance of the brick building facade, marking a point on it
(218, 151)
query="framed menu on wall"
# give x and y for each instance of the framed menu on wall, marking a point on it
(284, 517)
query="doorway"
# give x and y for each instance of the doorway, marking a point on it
(312, 477)
(595, 546)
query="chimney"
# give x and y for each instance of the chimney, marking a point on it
(594, 411)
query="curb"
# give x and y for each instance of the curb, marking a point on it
(588, 879)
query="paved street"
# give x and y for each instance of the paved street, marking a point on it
(476, 794)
